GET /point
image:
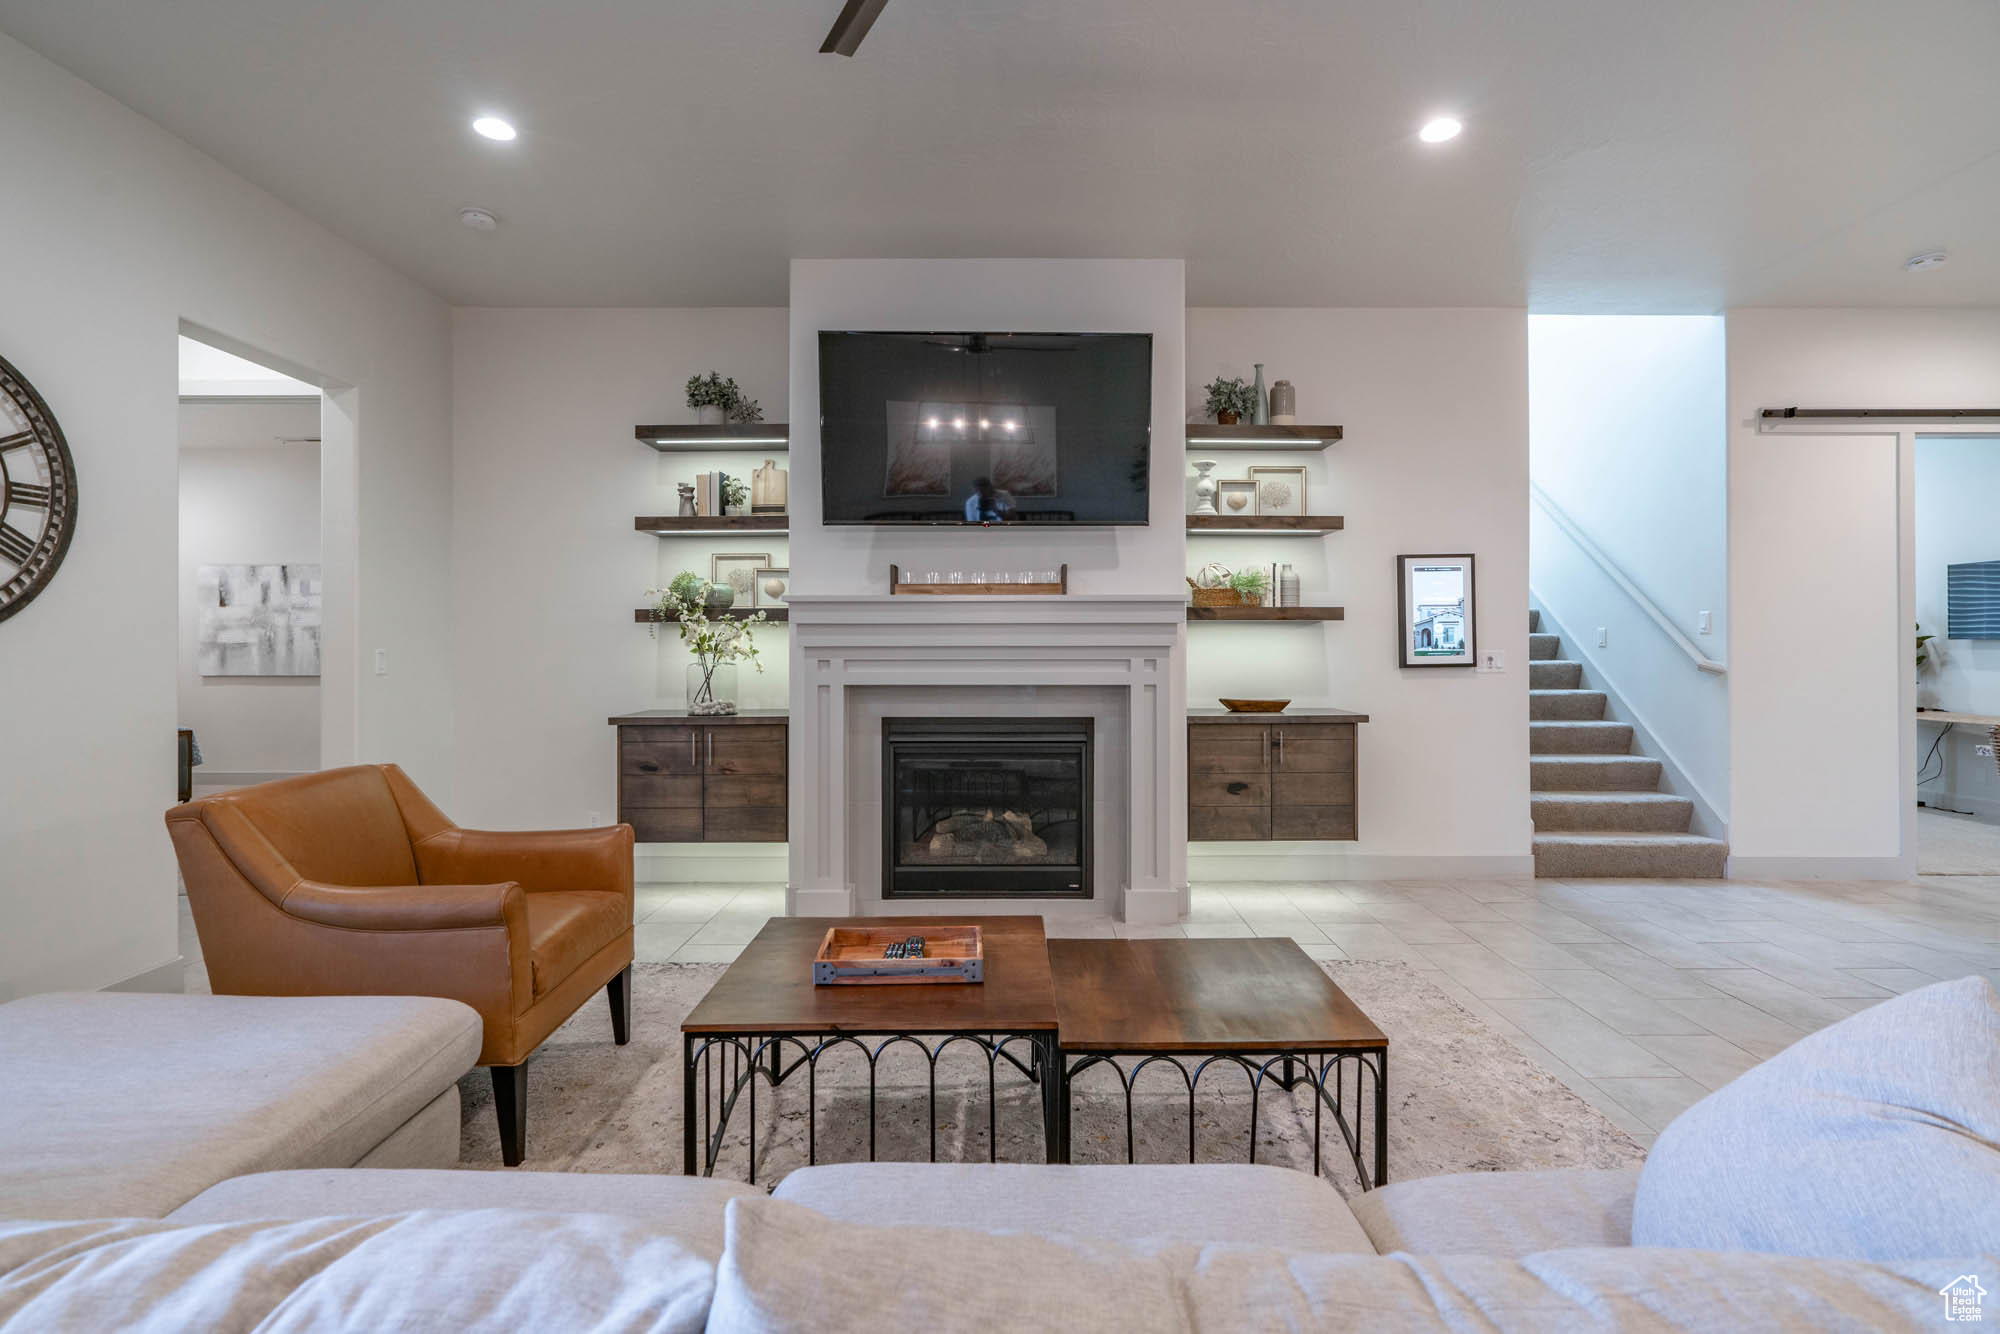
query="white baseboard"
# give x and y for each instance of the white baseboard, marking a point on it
(1819, 868)
(1316, 861)
(711, 863)
(167, 977)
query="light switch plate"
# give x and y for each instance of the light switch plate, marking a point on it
(381, 662)
(1492, 660)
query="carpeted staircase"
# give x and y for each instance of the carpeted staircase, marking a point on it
(1598, 808)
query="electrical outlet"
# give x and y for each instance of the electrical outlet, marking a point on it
(381, 662)
(596, 819)
(1983, 752)
(1603, 637)
(1492, 660)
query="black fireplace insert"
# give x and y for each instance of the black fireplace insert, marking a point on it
(986, 808)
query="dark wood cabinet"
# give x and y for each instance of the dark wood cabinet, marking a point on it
(703, 780)
(1254, 776)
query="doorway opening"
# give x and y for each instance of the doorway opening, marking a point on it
(1957, 650)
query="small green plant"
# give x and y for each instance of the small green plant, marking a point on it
(1231, 396)
(735, 492)
(1252, 584)
(712, 391)
(712, 642)
(1923, 647)
(745, 410)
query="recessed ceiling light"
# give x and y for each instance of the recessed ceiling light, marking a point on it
(1439, 129)
(493, 128)
(1930, 259)
(479, 219)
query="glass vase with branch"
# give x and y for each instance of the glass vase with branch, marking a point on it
(717, 640)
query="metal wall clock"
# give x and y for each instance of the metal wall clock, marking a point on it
(37, 493)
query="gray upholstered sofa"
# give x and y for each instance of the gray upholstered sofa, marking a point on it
(179, 1220)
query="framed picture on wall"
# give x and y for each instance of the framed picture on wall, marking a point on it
(1435, 611)
(738, 570)
(1280, 490)
(769, 586)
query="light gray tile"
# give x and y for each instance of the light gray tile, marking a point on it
(655, 942)
(1455, 906)
(1077, 928)
(1522, 946)
(1781, 1000)
(1417, 924)
(1483, 972)
(1788, 967)
(1612, 1002)
(1758, 1033)
(1898, 980)
(729, 928)
(1641, 972)
(706, 954)
(1298, 928)
(1550, 923)
(1656, 1101)
(1371, 941)
(1216, 930)
(1708, 1060)
(1593, 1049)
(1614, 1111)
(1322, 949)
(1675, 950)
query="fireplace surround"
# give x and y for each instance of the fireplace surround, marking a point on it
(986, 808)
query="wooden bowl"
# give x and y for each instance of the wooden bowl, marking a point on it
(1255, 705)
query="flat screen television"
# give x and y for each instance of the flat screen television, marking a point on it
(985, 428)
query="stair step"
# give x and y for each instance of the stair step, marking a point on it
(1555, 675)
(1565, 705)
(1593, 773)
(1611, 812)
(1650, 856)
(1543, 647)
(1579, 738)
(1534, 621)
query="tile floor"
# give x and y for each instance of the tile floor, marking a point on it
(1641, 995)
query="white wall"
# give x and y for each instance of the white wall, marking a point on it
(1958, 483)
(126, 232)
(996, 295)
(1435, 408)
(547, 479)
(1628, 438)
(247, 498)
(1822, 587)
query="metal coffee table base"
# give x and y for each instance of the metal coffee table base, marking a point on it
(1325, 1072)
(718, 1069)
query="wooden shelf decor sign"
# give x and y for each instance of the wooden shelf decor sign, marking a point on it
(992, 585)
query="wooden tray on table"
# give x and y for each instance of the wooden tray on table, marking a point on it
(853, 956)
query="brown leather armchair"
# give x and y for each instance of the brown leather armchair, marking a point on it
(350, 882)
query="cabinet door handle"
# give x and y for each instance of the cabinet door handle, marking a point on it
(711, 749)
(1278, 745)
(648, 767)
(1238, 789)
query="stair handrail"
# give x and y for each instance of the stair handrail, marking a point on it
(1603, 562)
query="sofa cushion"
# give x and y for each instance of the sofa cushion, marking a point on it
(689, 1208)
(339, 827)
(1232, 1202)
(1501, 1213)
(128, 1104)
(566, 927)
(788, 1268)
(1877, 1139)
(490, 1269)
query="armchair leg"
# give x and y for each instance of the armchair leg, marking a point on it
(620, 994)
(510, 1101)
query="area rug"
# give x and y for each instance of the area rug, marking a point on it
(1953, 844)
(1461, 1099)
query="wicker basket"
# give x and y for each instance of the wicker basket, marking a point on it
(1215, 597)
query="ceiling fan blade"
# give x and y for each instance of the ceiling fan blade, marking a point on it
(856, 18)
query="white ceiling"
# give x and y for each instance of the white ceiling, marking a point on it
(1626, 155)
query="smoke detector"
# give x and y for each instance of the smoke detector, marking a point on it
(479, 219)
(1930, 259)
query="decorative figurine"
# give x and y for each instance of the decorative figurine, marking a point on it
(687, 499)
(1204, 487)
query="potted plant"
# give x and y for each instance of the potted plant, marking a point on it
(735, 495)
(717, 642)
(1230, 400)
(1251, 585)
(712, 397)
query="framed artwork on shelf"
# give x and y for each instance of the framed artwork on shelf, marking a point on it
(738, 569)
(1280, 490)
(1236, 498)
(769, 586)
(1435, 611)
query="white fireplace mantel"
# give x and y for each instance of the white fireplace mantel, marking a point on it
(1133, 643)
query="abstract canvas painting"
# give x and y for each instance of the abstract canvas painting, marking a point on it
(257, 620)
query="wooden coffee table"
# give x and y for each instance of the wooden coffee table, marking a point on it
(1260, 1005)
(765, 1020)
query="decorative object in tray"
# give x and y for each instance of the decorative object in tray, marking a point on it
(1219, 586)
(879, 955)
(980, 582)
(717, 641)
(1254, 705)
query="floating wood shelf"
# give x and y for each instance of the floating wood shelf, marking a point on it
(675, 525)
(744, 437)
(1288, 525)
(1206, 438)
(1267, 613)
(775, 615)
